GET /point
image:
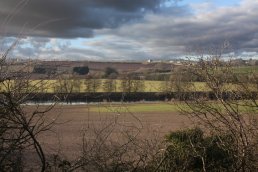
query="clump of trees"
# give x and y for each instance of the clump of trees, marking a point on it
(42, 69)
(39, 70)
(81, 70)
(111, 73)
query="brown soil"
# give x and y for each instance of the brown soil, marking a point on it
(65, 137)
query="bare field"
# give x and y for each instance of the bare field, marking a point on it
(74, 121)
(99, 66)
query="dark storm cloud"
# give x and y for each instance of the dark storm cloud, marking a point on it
(126, 29)
(69, 18)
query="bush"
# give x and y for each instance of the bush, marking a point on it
(109, 71)
(81, 70)
(191, 150)
(39, 70)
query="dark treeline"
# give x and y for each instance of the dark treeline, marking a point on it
(134, 97)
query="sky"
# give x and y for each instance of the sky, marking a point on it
(134, 30)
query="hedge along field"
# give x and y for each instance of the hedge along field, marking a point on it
(103, 85)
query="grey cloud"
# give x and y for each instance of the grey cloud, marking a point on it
(171, 32)
(49, 49)
(68, 18)
(27, 52)
(175, 35)
(72, 53)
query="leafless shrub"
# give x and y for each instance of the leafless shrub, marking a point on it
(229, 108)
(20, 125)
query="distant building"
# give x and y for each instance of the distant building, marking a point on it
(176, 62)
(150, 61)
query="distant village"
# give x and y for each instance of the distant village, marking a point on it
(234, 62)
(176, 61)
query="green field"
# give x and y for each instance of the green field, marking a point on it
(245, 69)
(136, 108)
(162, 107)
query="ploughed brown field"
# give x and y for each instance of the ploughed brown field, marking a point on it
(74, 121)
(120, 66)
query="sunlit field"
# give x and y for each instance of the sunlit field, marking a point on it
(79, 86)
(162, 107)
(99, 85)
(136, 107)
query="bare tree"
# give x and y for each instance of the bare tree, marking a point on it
(177, 82)
(109, 85)
(64, 84)
(20, 124)
(92, 84)
(77, 83)
(131, 84)
(227, 107)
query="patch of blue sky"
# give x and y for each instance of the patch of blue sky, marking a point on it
(26, 45)
(218, 3)
(79, 43)
(191, 7)
(57, 43)
(85, 43)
